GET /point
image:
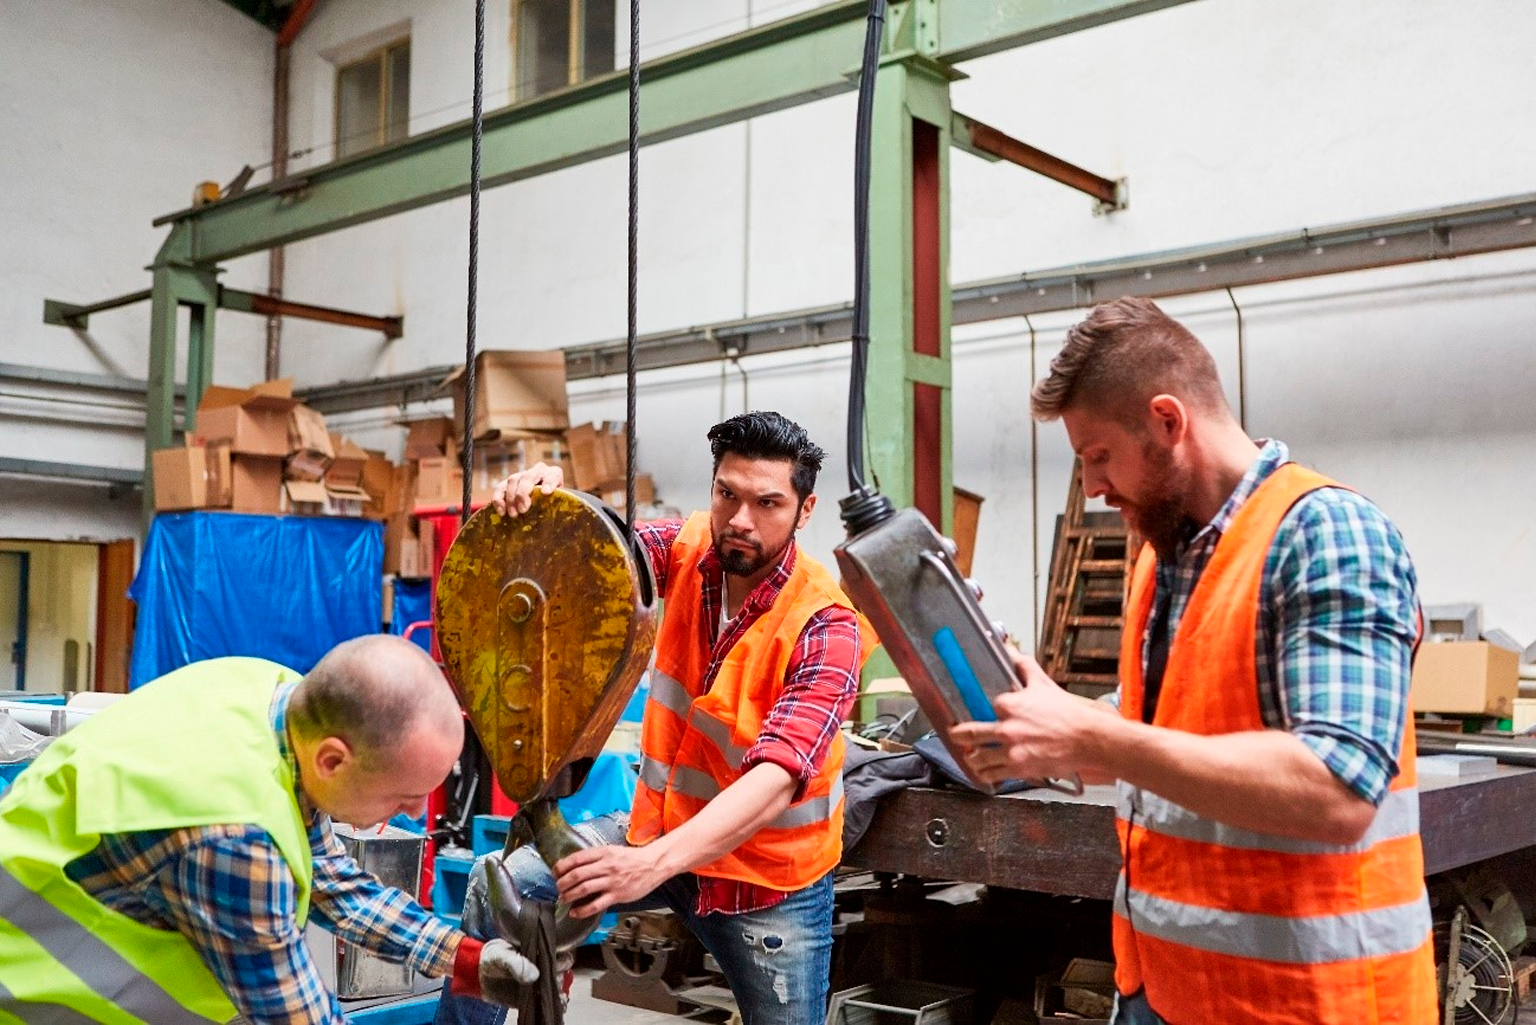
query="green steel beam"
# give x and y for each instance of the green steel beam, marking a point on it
(976, 28)
(771, 68)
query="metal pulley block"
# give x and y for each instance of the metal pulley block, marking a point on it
(545, 622)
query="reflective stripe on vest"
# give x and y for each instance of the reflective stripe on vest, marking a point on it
(660, 776)
(672, 696)
(1321, 939)
(97, 965)
(1398, 816)
(42, 1014)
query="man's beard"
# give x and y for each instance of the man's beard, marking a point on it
(738, 563)
(1160, 516)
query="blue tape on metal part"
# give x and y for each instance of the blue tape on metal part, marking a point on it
(948, 646)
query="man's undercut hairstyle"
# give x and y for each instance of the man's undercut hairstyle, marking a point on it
(1121, 355)
(762, 434)
(370, 692)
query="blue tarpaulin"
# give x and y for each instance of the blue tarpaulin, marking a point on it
(413, 604)
(285, 588)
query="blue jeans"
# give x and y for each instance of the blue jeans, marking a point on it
(1134, 1010)
(777, 960)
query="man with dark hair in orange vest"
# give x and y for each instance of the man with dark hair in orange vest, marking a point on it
(1263, 747)
(737, 818)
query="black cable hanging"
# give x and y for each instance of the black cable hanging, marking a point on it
(477, 128)
(634, 265)
(864, 505)
(863, 129)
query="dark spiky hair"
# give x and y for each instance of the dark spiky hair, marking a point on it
(762, 434)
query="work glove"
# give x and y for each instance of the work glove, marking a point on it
(492, 970)
(504, 972)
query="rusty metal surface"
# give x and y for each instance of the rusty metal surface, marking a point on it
(1058, 844)
(545, 622)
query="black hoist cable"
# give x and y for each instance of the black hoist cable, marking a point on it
(864, 506)
(634, 264)
(477, 129)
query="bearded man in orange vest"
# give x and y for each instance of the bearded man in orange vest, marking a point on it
(1263, 747)
(737, 819)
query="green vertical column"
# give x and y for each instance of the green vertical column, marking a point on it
(175, 285)
(198, 290)
(907, 395)
(908, 392)
(160, 399)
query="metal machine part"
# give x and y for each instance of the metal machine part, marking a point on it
(542, 824)
(545, 622)
(901, 573)
(393, 856)
(1477, 982)
(650, 957)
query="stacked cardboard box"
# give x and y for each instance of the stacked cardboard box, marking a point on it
(260, 450)
(521, 418)
(599, 454)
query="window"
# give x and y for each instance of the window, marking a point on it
(373, 99)
(559, 43)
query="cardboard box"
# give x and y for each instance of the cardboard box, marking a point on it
(378, 480)
(343, 478)
(427, 438)
(613, 492)
(417, 552)
(426, 536)
(410, 562)
(398, 527)
(598, 454)
(512, 453)
(309, 445)
(255, 419)
(402, 489)
(1465, 678)
(194, 477)
(305, 498)
(514, 391)
(347, 463)
(256, 483)
(439, 481)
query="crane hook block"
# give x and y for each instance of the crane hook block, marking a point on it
(545, 622)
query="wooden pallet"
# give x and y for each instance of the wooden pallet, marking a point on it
(1091, 561)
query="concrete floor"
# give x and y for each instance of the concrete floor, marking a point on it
(585, 1009)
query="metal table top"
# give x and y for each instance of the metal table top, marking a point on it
(1057, 843)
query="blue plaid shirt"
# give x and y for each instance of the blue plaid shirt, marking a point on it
(1338, 618)
(228, 889)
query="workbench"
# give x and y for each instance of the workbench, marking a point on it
(1062, 844)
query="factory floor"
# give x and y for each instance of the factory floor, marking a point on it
(585, 1009)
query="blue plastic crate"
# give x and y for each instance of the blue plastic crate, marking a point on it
(488, 833)
(450, 878)
(9, 771)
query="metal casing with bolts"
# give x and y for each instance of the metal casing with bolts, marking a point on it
(902, 575)
(393, 856)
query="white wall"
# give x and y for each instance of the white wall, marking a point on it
(1230, 117)
(111, 113)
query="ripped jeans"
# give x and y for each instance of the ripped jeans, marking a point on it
(777, 960)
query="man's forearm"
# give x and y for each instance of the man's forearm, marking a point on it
(726, 822)
(1266, 781)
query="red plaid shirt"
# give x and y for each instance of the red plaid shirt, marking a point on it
(820, 684)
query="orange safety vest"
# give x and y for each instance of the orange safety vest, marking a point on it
(692, 741)
(1220, 924)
